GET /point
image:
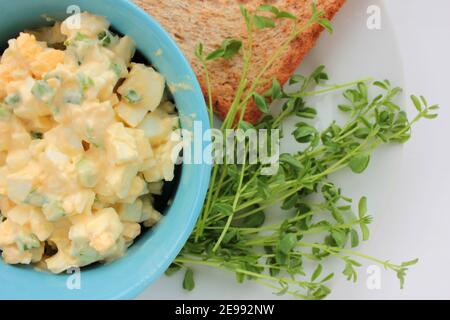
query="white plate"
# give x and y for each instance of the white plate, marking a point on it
(352, 52)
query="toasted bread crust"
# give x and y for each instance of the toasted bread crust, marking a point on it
(210, 21)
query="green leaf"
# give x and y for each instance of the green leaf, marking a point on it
(254, 221)
(326, 24)
(263, 189)
(319, 74)
(273, 271)
(173, 268)
(244, 125)
(424, 101)
(307, 113)
(354, 238)
(290, 202)
(362, 87)
(321, 293)
(401, 276)
(340, 237)
(327, 278)
(337, 215)
(262, 22)
(261, 103)
(245, 14)
(199, 51)
(228, 49)
(313, 7)
(435, 107)
(391, 105)
(188, 282)
(410, 263)
(268, 8)
(288, 243)
(345, 108)
(240, 277)
(286, 15)
(231, 235)
(280, 257)
(417, 103)
(296, 78)
(133, 97)
(291, 160)
(381, 85)
(215, 54)
(362, 133)
(365, 231)
(359, 163)
(304, 133)
(362, 207)
(430, 116)
(316, 273)
(350, 272)
(351, 95)
(282, 292)
(354, 263)
(223, 208)
(275, 91)
(395, 92)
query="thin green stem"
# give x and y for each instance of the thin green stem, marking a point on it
(228, 122)
(331, 88)
(209, 88)
(235, 203)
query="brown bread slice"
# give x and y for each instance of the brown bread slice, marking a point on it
(211, 21)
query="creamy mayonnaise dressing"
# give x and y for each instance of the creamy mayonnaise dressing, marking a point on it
(86, 137)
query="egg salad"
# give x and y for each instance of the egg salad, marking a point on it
(86, 138)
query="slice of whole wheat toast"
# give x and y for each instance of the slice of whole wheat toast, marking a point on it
(211, 21)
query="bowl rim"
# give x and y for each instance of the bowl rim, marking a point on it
(203, 173)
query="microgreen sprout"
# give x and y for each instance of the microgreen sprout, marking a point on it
(232, 234)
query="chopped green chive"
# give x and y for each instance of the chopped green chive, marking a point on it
(52, 75)
(36, 199)
(85, 81)
(80, 37)
(37, 135)
(117, 69)
(13, 99)
(5, 113)
(27, 242)
(53, 210)
(90, 137)
(73, 97)
(105, 38)
(43, 91)
(133, 97)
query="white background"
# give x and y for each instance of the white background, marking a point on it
(407, 186)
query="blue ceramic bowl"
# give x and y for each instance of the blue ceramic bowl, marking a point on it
(149, 257)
